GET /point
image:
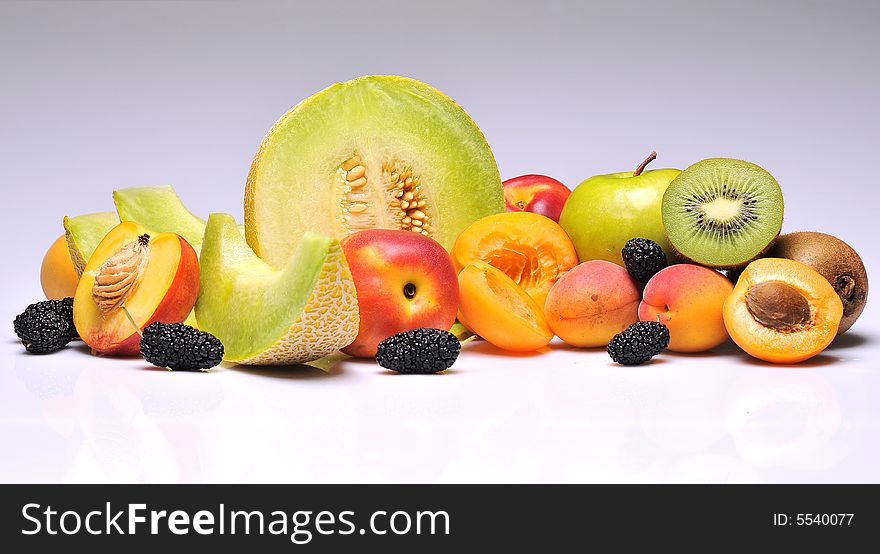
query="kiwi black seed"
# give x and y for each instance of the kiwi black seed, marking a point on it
(836, 261)
(722, 213)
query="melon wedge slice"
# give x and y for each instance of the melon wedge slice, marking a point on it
(302, 311)
(159, 208)
(375, 152)
(84, 233)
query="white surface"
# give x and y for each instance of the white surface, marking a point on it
(559, 416)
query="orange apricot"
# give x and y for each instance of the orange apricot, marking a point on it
(688, 299)
(531, 249)
(493, 306)
(57, 274)
(592, 303)
(782, 311)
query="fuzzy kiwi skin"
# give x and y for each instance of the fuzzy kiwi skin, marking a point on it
(833, 259)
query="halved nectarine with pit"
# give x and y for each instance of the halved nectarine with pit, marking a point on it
(134, 278)
(493, 306)
(782, 311)
(531, 249)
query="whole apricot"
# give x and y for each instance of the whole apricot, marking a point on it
(592, 303)
(57, 274)
(688, 299)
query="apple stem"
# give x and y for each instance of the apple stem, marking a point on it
(131, 320)
(649, 159)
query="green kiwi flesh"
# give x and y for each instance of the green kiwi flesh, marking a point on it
(722, 212)
(836, 261)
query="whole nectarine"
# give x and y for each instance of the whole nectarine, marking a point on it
(538, 194)
(404, 281)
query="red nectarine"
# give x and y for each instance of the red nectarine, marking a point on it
(538, 194)
(404, 281)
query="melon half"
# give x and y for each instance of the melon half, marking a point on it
(299, 312)
(375, 152)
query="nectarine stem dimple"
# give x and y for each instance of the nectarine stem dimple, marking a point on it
(651, 157)
(409, 290)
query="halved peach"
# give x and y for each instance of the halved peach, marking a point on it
(152, 277)
(493, 306)
(531, 249)
(782, 311)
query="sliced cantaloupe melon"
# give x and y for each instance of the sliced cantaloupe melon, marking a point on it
(84, 233)
(297, 313)
(374, 152)
(159, 208)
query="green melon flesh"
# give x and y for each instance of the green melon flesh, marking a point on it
(84, 233)
(300, 312)
(389, 125)
(159, 208)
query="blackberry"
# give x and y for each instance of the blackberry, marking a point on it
(419, 351)
(643, 258)
(639, 343)
(64, 307)
(45, 326)
(179, 346)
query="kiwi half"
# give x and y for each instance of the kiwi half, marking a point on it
(722, 213)
(836, 261)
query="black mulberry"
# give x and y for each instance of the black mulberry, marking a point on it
(45, 326)
(643, 258)
(639, 343)
(419, 351)
(179, 346)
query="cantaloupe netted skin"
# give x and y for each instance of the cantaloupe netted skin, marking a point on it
(298, 313)
(328, 323)
(381, 122)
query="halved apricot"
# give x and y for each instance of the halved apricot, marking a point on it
(782, 311)
(493, 306)
(531, 249)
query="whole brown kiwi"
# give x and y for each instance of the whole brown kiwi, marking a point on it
(833, 259)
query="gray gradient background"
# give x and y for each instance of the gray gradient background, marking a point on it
(102, 95)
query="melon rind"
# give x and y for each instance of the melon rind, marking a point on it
(291, 186)
(298, 313)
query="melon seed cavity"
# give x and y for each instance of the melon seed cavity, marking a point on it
(397, 201)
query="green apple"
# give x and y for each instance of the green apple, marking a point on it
(605, 211)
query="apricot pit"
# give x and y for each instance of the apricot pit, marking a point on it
(782, 311)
